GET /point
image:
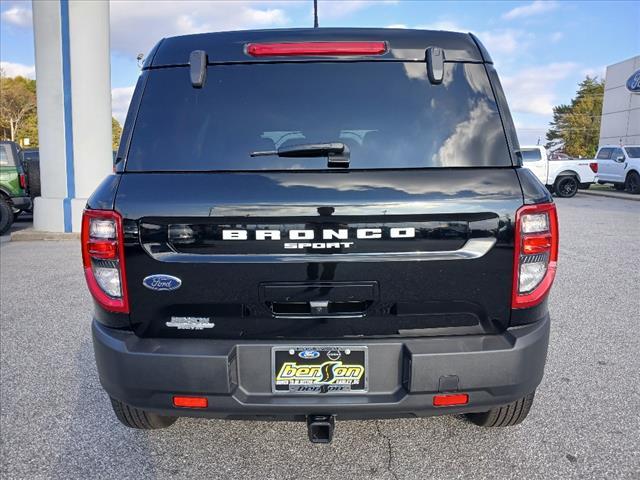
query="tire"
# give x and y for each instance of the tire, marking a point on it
(566, 187)
(6, 215)
(141, 419)
(632, 183)
(33, 177)
(505, 416)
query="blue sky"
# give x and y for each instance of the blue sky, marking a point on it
(542, 49)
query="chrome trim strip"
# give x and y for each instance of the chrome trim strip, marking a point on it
(473, 248)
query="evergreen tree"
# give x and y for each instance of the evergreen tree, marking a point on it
(577, 125)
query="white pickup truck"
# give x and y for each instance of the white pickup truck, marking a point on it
(620, 165)
(562, 177)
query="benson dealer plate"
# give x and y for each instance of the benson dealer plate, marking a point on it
(319, 369)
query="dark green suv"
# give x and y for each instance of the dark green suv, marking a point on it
(14, 197)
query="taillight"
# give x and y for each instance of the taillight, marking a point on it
(594, 167)
(103, 259)
(311, 49)
(536, 253)
(23, 181)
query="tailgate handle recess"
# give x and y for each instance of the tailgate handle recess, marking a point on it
(319, 307)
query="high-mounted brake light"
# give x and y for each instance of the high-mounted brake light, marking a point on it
(594, 167)
(103, 259)
(536, 254)
(313, 49)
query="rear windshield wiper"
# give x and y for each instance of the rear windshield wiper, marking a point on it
(337, 153)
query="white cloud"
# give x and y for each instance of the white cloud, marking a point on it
(10, 69)
(502, 41)
(498, 42)
(444, 25)
(535, 8)
(335, 9)
(471, 138)
(120, 99)
(599, 71)
(18, 16)
(555, 37)
(396, 25)
(532, 90)
(137, 25)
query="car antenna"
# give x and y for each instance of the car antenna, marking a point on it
(315, 13)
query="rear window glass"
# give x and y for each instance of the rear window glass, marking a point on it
(532, 155)
(633, 152)
(6, 159)
(31, 154)
(605, 153)
(387, 113)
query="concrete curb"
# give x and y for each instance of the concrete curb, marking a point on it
(605, 193)
(29, 235)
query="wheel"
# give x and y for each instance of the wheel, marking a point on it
(135, 418)
(566, 187)
(632, 183)
(505, 416)
(6, 215)
(33, 177)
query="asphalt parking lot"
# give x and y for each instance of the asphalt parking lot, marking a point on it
(56, 422)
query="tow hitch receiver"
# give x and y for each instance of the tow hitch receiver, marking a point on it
(320, 428)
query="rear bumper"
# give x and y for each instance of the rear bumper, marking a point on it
(403, 376)
(21, 203)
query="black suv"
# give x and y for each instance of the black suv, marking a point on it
(320, 223)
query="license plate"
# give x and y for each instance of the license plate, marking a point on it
(319, 369)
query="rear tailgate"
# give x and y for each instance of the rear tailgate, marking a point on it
(415, 237)
(347, 254)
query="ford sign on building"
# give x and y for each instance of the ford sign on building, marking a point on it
(621, 107)
(633, 84)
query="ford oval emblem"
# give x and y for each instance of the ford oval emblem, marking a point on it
(162, 282)
(309, 354)
(633, 84)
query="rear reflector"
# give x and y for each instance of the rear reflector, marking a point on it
(190, 402)
(450, 400)
(311, 49)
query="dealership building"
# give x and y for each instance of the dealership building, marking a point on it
(621, 106)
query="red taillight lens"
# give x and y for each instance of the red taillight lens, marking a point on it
(450, 400)
(103, 259)
(594, 167)
(536, 254)
(533, 243)
(312, 49)
(23, 181)
(190, 402)
(104, 249)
